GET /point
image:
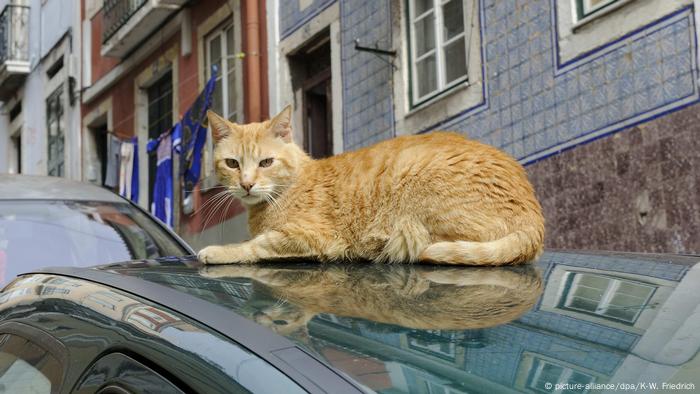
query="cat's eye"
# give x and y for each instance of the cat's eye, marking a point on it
(266, 163)
(232, 163)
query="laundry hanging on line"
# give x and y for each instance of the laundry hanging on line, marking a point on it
(190, 135)
(162, 205)
(114, 146)
(129, 170)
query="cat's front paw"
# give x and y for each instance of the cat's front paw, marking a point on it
(228, 254)
(212, 255)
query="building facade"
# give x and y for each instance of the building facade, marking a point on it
(39, 87)
(145, 64)
(598, 99)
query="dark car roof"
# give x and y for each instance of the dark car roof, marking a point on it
(580, 316)
(35, 187)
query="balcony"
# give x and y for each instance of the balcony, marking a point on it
(128, 22)
(14, 49)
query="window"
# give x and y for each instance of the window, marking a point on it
(435, 342)
(15, 164)
(220, 53)
(51, 290)
(117, 373)
(544, 377)
(616, 21)
(78, 233)
(55, 126)
(585, 8)
(26, 367)
(439, 36)
(220, 48)
(160, 120)
(613, 298)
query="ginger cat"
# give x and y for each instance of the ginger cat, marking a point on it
(437, 198)
(411, 296)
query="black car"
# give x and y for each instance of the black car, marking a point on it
(571, 323)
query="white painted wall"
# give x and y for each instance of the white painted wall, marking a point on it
(50, 24)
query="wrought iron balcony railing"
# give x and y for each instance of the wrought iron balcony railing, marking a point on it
(116, 13)
(14, 34)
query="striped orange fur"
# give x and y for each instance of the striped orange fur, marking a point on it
(437, 198)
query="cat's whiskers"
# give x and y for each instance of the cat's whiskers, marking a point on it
(209, 201)
(272, 203)
(212, 187)
(215, 209)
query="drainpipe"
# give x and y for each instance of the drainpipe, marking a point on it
(252, 60)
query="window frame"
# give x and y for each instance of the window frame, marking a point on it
(584, 9)
(449, 339)
(608, 294)
(219, 29)
(56, 166)
(438, 50)
(566, 373)
(224, 72)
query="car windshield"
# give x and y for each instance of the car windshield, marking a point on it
(35, 234)
(572, 320)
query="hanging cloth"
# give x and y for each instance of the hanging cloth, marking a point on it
(129, 170)
(190, 135)
(114, 146)
(135, 171)
(162, 205)
(126, 163)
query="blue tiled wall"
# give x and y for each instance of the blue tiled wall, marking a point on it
(367, 97)
(291, 17)
(533, 103)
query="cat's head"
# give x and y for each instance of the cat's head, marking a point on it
(256, 161)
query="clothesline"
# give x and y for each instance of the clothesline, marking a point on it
(179, 84)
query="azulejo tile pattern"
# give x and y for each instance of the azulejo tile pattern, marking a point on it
(367, 78)
(293, 17)
(531, 106)
(537, 108)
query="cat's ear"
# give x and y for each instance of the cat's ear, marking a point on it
(281, 125)
(218, 125)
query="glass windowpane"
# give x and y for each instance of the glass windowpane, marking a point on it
(424, 35)
(588, 293)
(215, 52)
(231, 63)
(426, 72)
(453, 16)
(231, 96)
(27, 368)
(420, 6)
(627, 314)
(455, 61)
(633, 290)
(594, 281)
(583, 304)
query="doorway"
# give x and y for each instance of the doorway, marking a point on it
(98, 134)
(311, 74)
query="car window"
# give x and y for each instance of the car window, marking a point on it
(119, 373)
(36, 234)
(26, 367)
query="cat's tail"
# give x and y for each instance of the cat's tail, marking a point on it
(517, 247)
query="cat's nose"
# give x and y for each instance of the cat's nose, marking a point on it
(247, 186)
